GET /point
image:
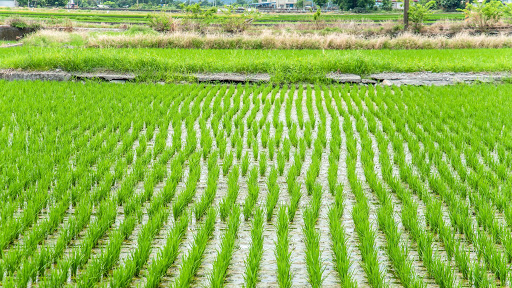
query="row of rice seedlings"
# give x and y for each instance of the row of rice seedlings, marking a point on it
(158, 215)
(265, 136)
(76, 224)
(299, 105)
(312, 239)
(252, 263)
(273, 193)
(482, 200)
(319, 100)
(96, 196)
(282, 252)
(440, 188)
(253, 191)
(361, 210)
(288, 109)
(277, 107)
(339, 240)
(266, 111)
(437, 268)
(293, 191)
(221, 264)
(263, 163)
(309, 106)
(211, 188)
(105, 261)
(226, 204)
(122, 276)
(12, 228)
(192, 260)
(244, 166)
(398, 254)
(459, 208)
(252, 115)
(226, 164)
(186, 196)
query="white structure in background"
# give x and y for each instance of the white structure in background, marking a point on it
(279, 4)
(71, 4)
(282, 4)
(8, 3)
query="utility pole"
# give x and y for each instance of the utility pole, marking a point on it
(406, 14)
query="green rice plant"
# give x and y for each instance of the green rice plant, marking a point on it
(271, 149)
(209, 194)
(253, 191)
(294, 200)
(192, 260)
(124, 274)
(239, 148)
(281, 161)
(312, 241)
(292, 134)
(332, 175)
(312, 174)
(263, 163)
(265, 135)
(308, 134)
(186, 196)
(273, 193)
(286, 148)
(226, 204)
(221, 264)
(245, 164)
(252, 263)
(278, 134)
(226, 165)
(284, 276)
(339, 247)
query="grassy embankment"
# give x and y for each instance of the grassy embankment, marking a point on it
(282, 65)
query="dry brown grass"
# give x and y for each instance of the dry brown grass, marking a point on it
(269, 40)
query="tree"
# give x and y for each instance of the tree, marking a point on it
(320, 3)
(387, 5)
(360, 5)
(451, 5)
(417, 14)
(484, 15)
(57, 3)
(300, 4)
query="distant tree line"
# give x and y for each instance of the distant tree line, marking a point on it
(346, 5)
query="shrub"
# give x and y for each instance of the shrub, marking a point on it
(484, 15)
(417, 14)
(162, 23)
(19, 23)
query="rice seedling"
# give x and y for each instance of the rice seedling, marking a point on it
(191, 261)
(245, 164)
(252, 264)
(284, 276)
(221, 264)
(226, 205)
(273, 194)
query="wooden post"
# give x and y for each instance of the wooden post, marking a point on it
(406, 14)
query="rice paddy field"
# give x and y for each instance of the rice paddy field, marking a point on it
(265, 18)
(210, 185)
